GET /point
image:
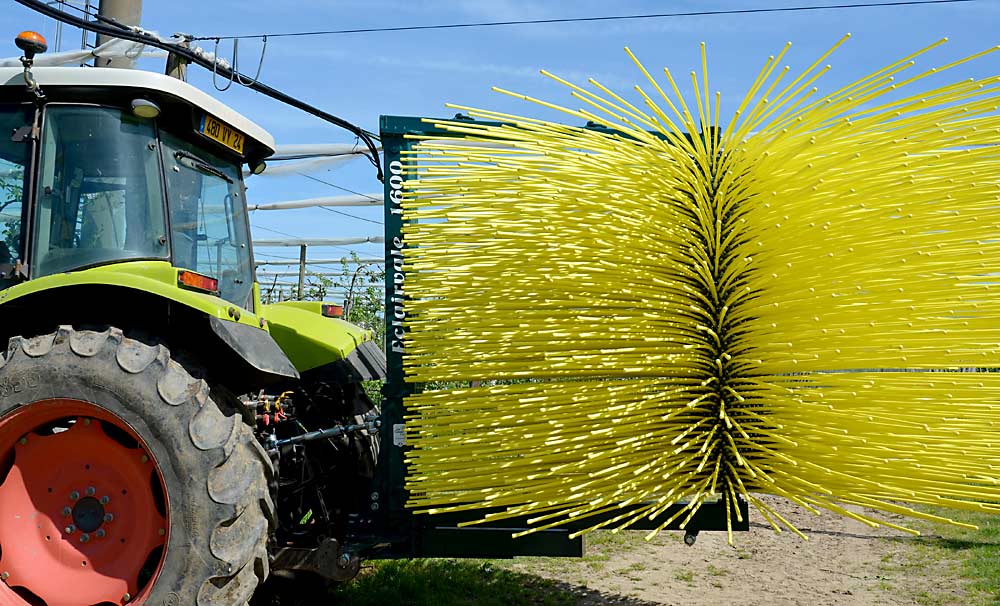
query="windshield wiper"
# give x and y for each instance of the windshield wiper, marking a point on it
(195, 163)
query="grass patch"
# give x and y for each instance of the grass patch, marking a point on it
(946, 551)
(978, 551)
(716, 571)
(686, 576)
(477, 582)
(448, 583)
(601, 545)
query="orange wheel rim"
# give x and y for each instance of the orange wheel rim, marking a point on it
(83, 512)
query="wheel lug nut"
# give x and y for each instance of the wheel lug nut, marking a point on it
(23, 441)
(100, 533)
(144, 459)
(70, 529)
(91, 491)
(74, 495)
(86, 421)
(105, 500)
(84, 538)
(109, 517)
(162, 532)
(67, 511)
(126, 597)
(4, 576)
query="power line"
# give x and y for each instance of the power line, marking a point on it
(321, 242)
(340, 187)
(257, 253)
(274, 256)
(747, 11)
(338, 265)
(335, 264)
(274, 231)
(340, 212)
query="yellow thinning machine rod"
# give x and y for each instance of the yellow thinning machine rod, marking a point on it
(803, 301)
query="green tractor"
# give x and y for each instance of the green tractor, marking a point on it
(147, 396)
(166, 438)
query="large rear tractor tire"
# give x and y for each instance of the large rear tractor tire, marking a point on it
(122, 479)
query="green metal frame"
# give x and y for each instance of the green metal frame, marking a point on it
(389, 522)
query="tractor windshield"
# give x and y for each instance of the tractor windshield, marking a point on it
(208, 223)
(99, 190)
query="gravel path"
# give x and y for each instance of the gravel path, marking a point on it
(844, 563)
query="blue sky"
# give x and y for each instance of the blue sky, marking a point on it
(360, 76)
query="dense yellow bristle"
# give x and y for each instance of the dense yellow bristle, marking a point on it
(781, 304)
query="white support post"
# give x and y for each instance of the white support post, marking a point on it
(302, 272)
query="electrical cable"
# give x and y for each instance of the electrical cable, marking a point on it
(340, 187)
(274, 256)
(120, 31)
(77, 8)
(236, 62)
(284, 158)
(274, 231)
(215, 69)
(407, 28)
(287, 258)
(340, 212)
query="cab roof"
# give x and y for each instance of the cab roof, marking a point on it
(157, 84)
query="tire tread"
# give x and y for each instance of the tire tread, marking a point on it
(233, 506)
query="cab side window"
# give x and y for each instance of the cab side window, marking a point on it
(99, 196)
(14, 151)
(208, 217)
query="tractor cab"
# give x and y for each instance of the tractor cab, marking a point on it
(122, 204)
(107, 166)
(163, 403)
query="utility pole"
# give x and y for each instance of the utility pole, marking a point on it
(125, 12)
(177, 65)
(302, 271)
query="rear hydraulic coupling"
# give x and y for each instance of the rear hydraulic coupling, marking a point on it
(332, 432)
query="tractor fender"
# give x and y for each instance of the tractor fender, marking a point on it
(313, 341)
(143, 298)
(255, 346)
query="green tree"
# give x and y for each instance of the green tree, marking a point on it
(363, 301)
(11, 192)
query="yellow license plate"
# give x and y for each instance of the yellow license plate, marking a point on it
(223, 133)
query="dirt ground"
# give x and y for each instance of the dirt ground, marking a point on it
(844, 563)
